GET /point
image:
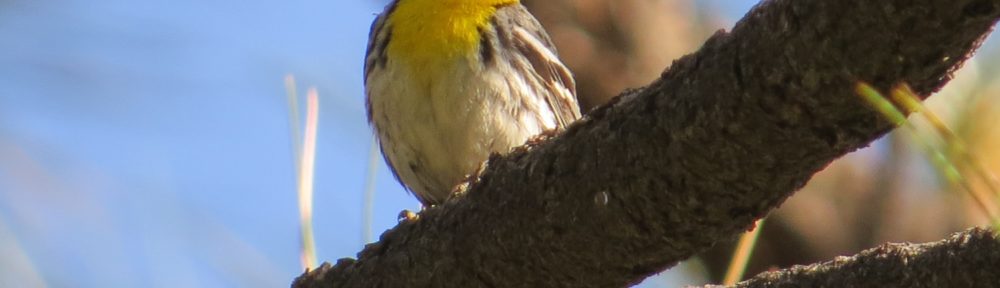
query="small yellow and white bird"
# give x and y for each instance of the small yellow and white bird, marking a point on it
(448, 82)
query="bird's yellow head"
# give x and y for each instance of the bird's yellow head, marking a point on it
(427, 32)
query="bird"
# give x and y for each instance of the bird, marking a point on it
(449, 82)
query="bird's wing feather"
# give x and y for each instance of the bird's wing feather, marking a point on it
(531, 41)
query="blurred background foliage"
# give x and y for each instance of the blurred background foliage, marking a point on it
(145, 143)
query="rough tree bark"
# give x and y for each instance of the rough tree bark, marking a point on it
(967, 259)
(666, 171)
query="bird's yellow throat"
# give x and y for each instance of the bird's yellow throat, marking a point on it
(426, 32)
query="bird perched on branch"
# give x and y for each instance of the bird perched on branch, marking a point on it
(448, 82)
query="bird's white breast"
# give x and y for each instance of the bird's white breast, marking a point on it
(436, 133)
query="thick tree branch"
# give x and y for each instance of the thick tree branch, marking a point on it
(967, 259)
(666, 171)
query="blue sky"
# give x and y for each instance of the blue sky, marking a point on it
(146, 142)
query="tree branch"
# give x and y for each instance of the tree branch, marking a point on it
(967, 259)
(666, 171)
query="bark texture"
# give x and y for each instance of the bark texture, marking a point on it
(666, 171)
(967, 259)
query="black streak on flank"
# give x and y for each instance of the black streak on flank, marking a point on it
(485, 47)
(384, 47)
